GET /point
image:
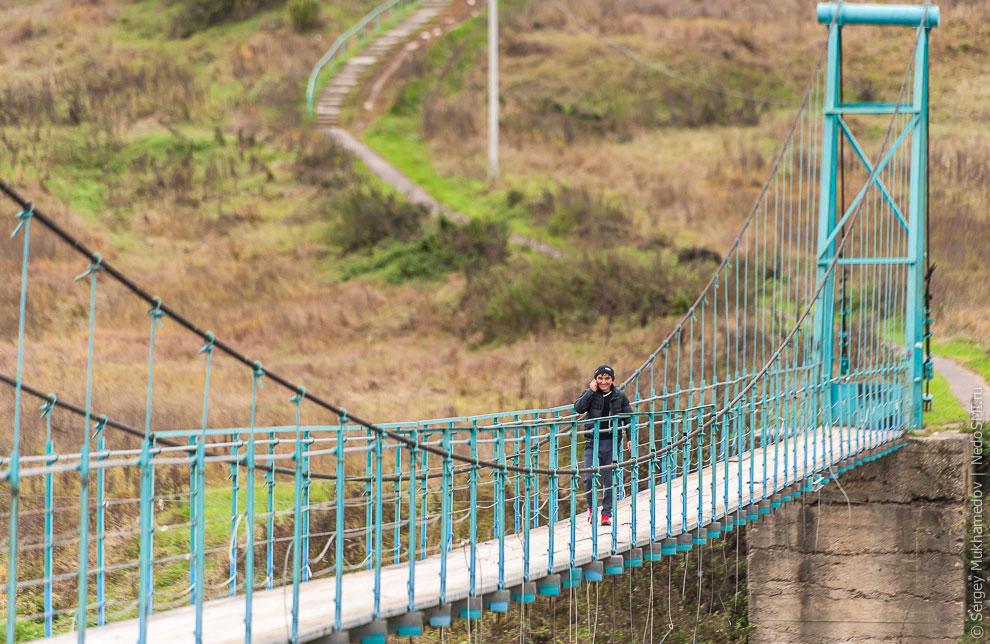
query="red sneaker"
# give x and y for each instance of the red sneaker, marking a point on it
(606, 519)
(591, 518)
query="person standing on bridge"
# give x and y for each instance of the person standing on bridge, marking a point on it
(602, 402)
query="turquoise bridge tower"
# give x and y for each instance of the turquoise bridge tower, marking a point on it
(905, 208)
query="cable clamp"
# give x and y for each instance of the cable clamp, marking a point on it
(48, 406)
(22, 217)
(155, 311)
(258, 373)
(98, 426)
(298, 398)
(95, 266)
(208, 347)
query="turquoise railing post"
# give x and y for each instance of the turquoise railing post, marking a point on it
(369, 477)
(445, 510)
(46, 413)
(101, 522)
(156, 314)
(616, 485)
(397, 507)
(552, 492)
(500, 503)
(536, 463)
(199, 543)
(527, 503)
(701, 464)
(270, 519)
(651, 466)
(378, 526)
(515, 476)
(82, 594)
(194, 493)
(307, 485)
(297, 523)
(411, 584)
(685, 467)
(669, 463)
(235, 490)
(575, 481)
(425, 496)
(197, 575)
(634, 473)
(473, 537)
(340, 486)
(24, 217)
(595, 482)
(760, 414)
(257, 372)
(145, 564)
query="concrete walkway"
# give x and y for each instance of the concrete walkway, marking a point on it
(968, 387)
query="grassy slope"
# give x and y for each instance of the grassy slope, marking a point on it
(574, 111)
(677, 177)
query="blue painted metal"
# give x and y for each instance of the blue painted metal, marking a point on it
(914, 333)
(377, 554)
(46, 413)
(878, 14)
(24, 217)
(445, 512)
(473, 536)
(101, 521)
(82, 584)
(340, 489)
(411, 584)
(257, 372)
(297, 553)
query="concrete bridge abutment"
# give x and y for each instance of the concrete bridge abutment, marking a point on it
(885, 566)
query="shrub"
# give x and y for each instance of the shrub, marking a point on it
(473, 248)
(544, 294)
(197, 15)
(368, 216)
(303, 14)
(323, 163)
(593, 217)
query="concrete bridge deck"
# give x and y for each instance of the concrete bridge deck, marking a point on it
(224, 618)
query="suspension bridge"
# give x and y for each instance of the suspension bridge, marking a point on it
(802, 358)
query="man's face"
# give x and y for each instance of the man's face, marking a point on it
(604, 382)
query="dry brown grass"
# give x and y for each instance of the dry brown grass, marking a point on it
(692, 183)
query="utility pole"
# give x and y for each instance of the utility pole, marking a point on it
(492, 89)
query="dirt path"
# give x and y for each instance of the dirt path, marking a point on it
(349, 78)
(967, 386)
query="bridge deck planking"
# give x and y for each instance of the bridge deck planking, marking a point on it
(271, 624)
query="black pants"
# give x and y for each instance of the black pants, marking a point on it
(606, 494)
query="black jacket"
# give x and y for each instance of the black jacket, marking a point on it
(592, 403)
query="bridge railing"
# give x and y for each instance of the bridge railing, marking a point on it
(740, 402)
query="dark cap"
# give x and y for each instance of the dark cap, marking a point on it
(605, 369)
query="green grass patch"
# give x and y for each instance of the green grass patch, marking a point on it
(945, 408)
(397, 139)
(966, 352)
(432, 255)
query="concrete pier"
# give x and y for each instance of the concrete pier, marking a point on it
(885, 566)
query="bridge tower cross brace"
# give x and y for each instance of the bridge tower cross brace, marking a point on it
(830, 221)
